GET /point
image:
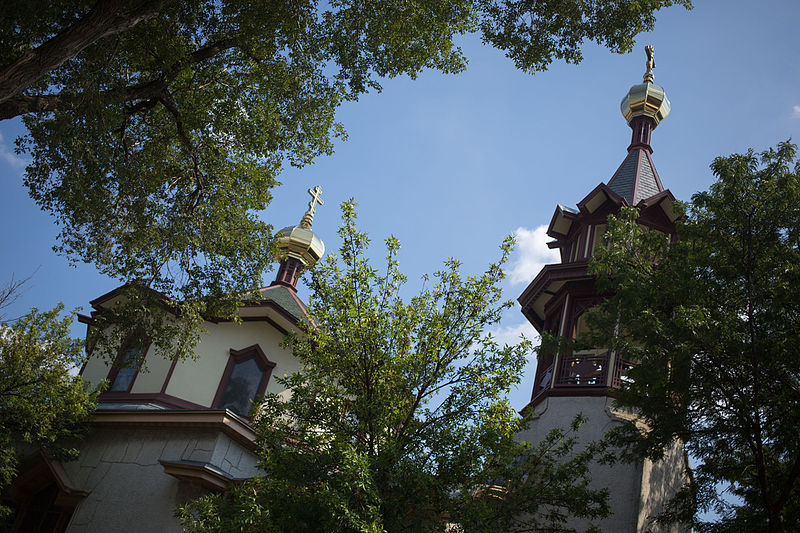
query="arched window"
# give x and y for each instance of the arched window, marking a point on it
(126, 367)
(245, 378)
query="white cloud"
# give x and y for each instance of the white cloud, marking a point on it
(8, 155)
(531, 254)
(796, 111)
(511, 334)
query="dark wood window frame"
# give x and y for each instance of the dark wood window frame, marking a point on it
(237, 356)
(115, 368)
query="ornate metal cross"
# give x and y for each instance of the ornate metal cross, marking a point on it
(316, 198)
(651, 62)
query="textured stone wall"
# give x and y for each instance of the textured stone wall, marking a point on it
(129, 491)
(660, 481)
(637, 490)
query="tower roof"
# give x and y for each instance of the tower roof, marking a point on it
(643, 107)
(636, 178)
(556, 299)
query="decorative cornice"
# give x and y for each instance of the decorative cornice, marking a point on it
(551, 273)
(204, 474)
(208, 419)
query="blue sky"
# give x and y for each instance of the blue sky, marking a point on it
(452, 164)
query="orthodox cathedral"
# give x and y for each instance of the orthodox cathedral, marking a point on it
(180, 429)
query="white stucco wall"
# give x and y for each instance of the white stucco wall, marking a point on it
(96, 370)
(153, 372)
(660, 481)
(197, 380)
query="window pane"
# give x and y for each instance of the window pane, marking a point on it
(124, 377)
(240, 391)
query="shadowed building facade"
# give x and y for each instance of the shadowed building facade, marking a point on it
(179, 429)
(559, 296)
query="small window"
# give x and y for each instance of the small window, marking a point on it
(598, 236)
(245, 379)
(125, 369)
(548, 375)
(581, 327)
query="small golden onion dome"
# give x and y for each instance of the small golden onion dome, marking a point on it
(299, 242)
(646, 99)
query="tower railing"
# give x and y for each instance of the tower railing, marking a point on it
(585, 370)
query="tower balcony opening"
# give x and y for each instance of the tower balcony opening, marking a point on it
(584, 372)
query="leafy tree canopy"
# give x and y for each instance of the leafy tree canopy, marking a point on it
(398, 419)
(157, 128)
(41, 404)
(714, 322)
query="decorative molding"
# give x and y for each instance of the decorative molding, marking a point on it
(266, 319)
(204, 474)
(570, 390)
(267, 304)
(157, 397)
(207, 419)
(168, 377)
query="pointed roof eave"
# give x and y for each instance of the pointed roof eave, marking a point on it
(110, 295)
(561, 221)
(284, 301)
(538, 290)
(591, 202)
(665, 200)
(41, 466)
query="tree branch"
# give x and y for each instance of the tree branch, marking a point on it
(47, 103)
(169, 103)
(107, 17)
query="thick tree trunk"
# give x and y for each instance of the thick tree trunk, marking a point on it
(107, 17)
(22, 104)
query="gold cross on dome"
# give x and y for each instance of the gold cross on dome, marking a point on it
(316, 198)
(651, 62)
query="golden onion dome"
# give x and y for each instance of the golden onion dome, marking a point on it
(646, 99)
(299, 242)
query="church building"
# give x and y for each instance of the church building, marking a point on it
(181, 429)
(178, 430)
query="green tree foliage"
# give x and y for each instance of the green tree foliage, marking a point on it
(158, 128)
(714, 322)
(41, 404)
(398, 420)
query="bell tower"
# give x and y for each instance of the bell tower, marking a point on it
(558, 297)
